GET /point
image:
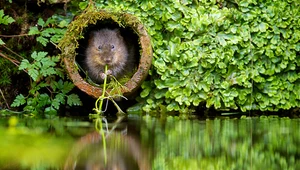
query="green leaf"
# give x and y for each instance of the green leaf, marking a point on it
(42, 40)
(67, 87)
(5, 19)
(41, 22)
(83, 5)
(50, 111)
(1, 42)
(33, 31)
(73, 100)
(43, 100)
(60, 97)
(63, 24)
(47, 62)
(221, 38)
(145, 92)
(263, 27)
(171, 25)
(19, 100)
(24, 64)
(38, 56)
(34, 74)
(55, 103)
(47, 71)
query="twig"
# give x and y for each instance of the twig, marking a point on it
(11, 36)
(15, 62)
(13, 52)
(4, 99)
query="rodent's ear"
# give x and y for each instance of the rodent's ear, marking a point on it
(93, 34)
(118, 32)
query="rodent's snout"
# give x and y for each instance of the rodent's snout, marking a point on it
(107, 60)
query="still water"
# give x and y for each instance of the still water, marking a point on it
(149, 143)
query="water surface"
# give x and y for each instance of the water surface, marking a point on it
(150, 143)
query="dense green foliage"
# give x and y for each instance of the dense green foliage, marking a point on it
(247, 143)
(5, 71)
(227, 54)
(222, 54)
(49, 89)
(42, 72)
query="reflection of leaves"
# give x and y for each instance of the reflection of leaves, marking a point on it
(218, 143)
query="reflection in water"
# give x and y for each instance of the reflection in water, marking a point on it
(123, 152)
(220, 144)
(225, 144)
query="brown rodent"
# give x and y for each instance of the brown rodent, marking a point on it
(108, 47)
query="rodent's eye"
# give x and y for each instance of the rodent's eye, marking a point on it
(99, 47)
(112, 47)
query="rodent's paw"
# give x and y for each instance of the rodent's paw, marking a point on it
(103, 75)
(108, 72)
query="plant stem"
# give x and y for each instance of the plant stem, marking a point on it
(99, 128)
(99, 110)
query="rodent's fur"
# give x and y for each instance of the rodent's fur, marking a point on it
(107, 46)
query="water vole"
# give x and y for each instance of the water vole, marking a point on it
(108, 47)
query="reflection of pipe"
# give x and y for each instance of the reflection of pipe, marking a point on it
(122, 152)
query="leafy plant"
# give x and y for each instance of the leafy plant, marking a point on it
(221, 54)
(46, 33)
(5, 65)
(5, 19)
(43, 73)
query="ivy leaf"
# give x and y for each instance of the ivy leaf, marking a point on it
(171, 25)
(221, 38)
(73, 100)
(173, 106)
(5, 19)
(19, 100)
(262, 27)
(145, 92)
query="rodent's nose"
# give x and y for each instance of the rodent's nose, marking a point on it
(107, 60)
